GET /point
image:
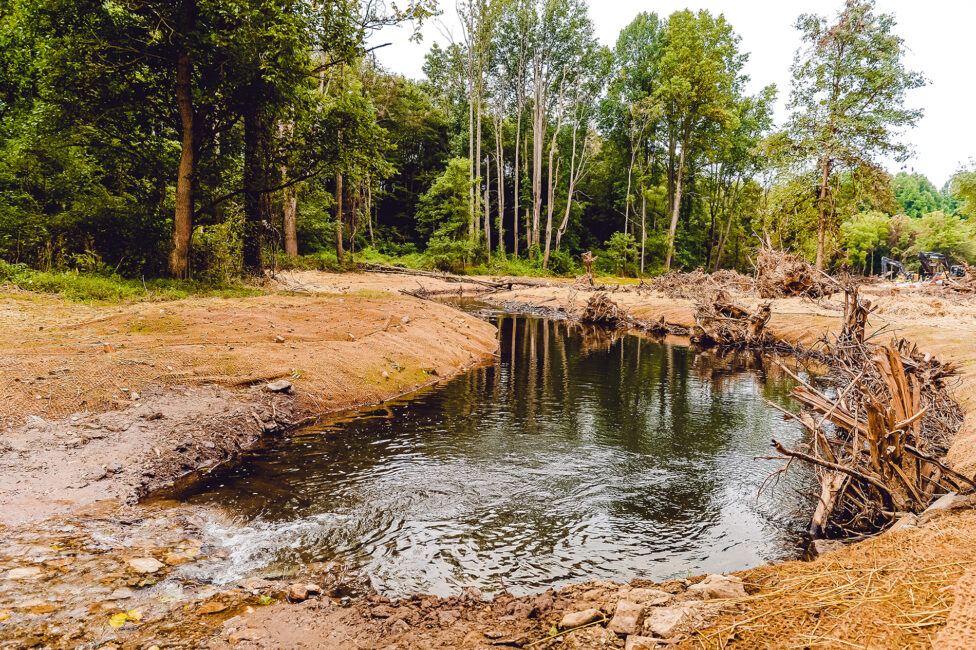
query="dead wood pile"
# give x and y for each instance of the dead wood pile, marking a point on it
(781, 275)
(719, 321)
(698, 285)
(876, 442)
(601, 310)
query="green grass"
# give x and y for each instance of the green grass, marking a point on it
(85, 287)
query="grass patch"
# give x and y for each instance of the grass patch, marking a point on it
(85, 287)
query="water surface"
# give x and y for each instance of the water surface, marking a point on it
(578, 455)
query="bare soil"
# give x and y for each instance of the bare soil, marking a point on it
(209, 360)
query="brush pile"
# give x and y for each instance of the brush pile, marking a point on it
(698, 285)
(875, 444)
(719, 321)
(781, 275)
(601, 310)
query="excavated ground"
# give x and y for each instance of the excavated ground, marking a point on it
(70, 570)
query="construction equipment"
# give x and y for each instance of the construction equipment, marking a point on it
(893, 268)
(933, 265)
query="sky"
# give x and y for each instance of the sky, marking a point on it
(938, 34)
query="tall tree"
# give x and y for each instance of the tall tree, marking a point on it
(848, 101)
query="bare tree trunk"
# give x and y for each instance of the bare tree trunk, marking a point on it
(822, 209)
(369, 213)
(538, 144)
(550, 204)
(500, 179)
(676, 207)
(338, 217)
(179, 258)
(291, 209)
(487, 208)
(643, 229)
(518, 186)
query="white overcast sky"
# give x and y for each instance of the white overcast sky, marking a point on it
(938, 33)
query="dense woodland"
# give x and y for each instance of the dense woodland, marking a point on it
(218, 138)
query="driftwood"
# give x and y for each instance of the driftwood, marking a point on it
(874, 445)
(719, 321)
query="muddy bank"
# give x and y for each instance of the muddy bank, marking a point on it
(117, 401)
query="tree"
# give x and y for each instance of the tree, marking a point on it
(916, 195)
(862, 235)
(700, 72)
(963, 188)
(848, 98)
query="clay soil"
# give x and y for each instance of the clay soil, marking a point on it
(77, 444)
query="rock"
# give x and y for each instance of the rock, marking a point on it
(716, 587)
(385, 374)
(211, 607)
(823, 546)
(247, 634)
(650, 597)
(24, 573)
(280, 386)
(471, 593)
(115, 468)
(405, 320)
(146, 564)
(588, 638)
(121, 593)
(575, 619)
(627, 618)
(279, 339)
(175, 559)
(635, 642)
(37, 606)
(301, 591)
(351, 337)
(382, 611)
(665, 621)
(448, 618)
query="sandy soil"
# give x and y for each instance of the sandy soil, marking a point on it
(892, 591)
(115, 401)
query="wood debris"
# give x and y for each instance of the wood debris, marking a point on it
(876, 443)
(720, 321)
(781, 275)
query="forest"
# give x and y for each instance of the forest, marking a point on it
(216, 139)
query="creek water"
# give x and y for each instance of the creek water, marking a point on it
(577, 455)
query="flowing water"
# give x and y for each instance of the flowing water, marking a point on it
(578, 455)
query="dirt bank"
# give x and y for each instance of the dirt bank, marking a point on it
(115, 401)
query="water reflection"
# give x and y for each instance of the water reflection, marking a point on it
(580, 454)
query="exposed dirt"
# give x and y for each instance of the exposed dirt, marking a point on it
(115, 401)
(892, 591)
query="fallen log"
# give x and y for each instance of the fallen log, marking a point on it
(497, 285)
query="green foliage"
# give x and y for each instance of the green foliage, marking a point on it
(621, 254)
(963, 186)
(948, 234)
(863, 235)
(916, 195)
(444, 209)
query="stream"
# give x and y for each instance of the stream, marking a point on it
(580, 454)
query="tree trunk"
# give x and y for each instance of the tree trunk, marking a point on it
(675, 208)
(338, 219)
(487, 208)
(822, 208)
(179, 258)
(500, 179)
(518, 186)
(257, 204)
(643, 229)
